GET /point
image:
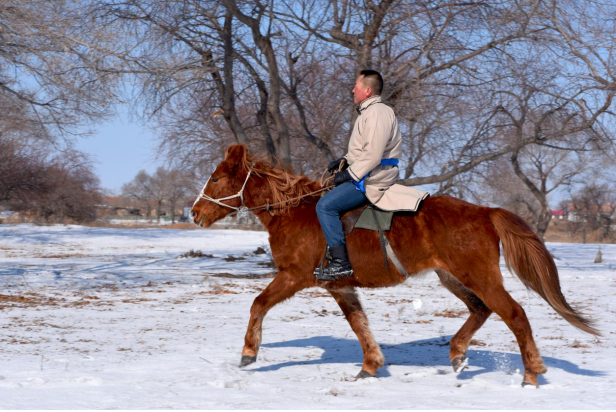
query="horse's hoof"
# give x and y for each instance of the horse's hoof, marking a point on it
(247, 360)
(364, 374)
(459, 363)
(528, 384)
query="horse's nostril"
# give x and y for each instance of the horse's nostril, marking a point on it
(193, 214)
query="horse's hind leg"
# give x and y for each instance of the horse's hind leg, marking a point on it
(490, 289)
(284, 285)
(479, 313)
(351, 307)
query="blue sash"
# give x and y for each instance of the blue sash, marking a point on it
(384, 162)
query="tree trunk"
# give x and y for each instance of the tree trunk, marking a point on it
(543, 222)
(264, 43)
(159, 210)
(172, 207)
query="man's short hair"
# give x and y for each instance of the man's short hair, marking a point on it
(373, 80)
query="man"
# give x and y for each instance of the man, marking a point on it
(369, 169)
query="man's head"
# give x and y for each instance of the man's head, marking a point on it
(368, 84)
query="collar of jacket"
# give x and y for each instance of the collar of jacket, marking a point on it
(368, 102)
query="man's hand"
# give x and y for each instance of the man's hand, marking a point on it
(335, 165)
(342, 177)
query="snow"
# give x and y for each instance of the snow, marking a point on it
(102, 318)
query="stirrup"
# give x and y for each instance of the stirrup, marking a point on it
(318, 271)
(332, 274)
(339, 264)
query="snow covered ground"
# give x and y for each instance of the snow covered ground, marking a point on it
(102, 318)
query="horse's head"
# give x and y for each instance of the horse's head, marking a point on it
(242, 177)
(223, 192)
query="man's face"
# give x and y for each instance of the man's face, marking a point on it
(361, 92)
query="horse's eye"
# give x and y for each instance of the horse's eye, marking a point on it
(214, 180)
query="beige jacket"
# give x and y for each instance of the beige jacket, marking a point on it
(376, 136)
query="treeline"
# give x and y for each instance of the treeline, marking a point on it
(50, 184)
(503, 102)
(591, 213)
(49, 94)
(165, 191)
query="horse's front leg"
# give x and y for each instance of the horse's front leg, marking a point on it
(351, 307)
(284, 285)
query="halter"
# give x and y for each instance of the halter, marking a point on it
(241, 210)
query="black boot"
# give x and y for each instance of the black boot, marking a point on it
(338, 267)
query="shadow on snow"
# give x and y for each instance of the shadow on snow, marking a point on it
(433, 352)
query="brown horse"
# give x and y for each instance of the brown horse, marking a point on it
(457, 240)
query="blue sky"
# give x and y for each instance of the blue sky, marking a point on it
(120, 148)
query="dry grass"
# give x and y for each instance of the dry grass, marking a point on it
(452, 313)
(65, 256)
(195, 254)
(28, 300)
(137, 300)
(578, 345)
(31, 300)
(232, 276)
(218, 291)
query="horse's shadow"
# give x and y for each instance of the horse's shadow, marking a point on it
(432, 352)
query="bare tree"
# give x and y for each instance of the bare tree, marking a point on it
(156, 188)
(22, 170)
(75, 190)
(53, 186)
(50, 61)
(166, 187)
(179, 186)
(592, 208)
(138, 189)
(471, 82)
(525, 182)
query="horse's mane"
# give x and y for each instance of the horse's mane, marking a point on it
(285, 187)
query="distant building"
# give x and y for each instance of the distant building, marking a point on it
(579, 213)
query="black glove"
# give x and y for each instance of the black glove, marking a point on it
(335, 165)
(341, 177)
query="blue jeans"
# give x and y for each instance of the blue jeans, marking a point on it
(333, 205)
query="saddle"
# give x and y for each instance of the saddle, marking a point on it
(367, 217)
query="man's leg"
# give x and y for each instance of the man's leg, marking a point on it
(329, 209)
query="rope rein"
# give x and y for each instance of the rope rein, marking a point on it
(268, 206)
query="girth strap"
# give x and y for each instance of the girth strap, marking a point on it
(381, 237)
(394, 258)
(386, 247)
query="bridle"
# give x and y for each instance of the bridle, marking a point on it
(242, 210)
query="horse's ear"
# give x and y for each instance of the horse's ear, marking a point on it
(236, 153)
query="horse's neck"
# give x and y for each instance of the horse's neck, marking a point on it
(259, 196)
(265, 218)
(273, 223)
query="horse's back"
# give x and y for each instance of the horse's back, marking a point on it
(446, 231)
(446, 214)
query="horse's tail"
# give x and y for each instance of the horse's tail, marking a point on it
(527, 257)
